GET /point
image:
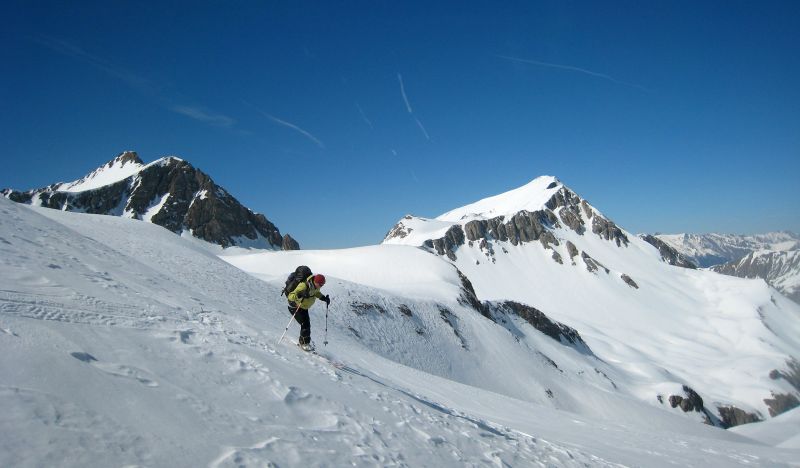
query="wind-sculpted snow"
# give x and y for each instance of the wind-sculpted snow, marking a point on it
(124, 345)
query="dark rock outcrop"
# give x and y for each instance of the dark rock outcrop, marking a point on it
(572, 250)
(447, 245)
(450, 319)
(690, 401)
(170, 193)
(732, 416)
(591, 264)
(791, 375)
(630, 282)
(470, 299)
(781, 403)
(558, 331)
(606, 229)
(668, 253)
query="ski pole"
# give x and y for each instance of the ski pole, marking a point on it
(327, 306)
(290, 323)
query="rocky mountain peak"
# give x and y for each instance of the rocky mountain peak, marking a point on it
(169, 192)
(542, 211)
(126, 157)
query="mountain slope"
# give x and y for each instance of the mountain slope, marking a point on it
(169, 192)
(122, 344)
(781, 269)
(772, 257)
(671, 327)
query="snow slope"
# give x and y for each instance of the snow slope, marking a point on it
(120, 168)
(123, 344)
(780, 269)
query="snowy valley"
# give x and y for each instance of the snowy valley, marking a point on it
(526, 329)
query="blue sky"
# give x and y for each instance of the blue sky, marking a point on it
(335, 119)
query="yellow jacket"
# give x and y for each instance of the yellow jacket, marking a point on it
(305, 294)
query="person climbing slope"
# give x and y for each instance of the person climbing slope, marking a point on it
(301, 298)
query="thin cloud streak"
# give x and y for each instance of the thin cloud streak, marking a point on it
(403, 92)
(71, 50)
(364, 117)
(410, 110)
(294, 127)
(572, 68)
(204, 115)
(138, 83)
(422, 127)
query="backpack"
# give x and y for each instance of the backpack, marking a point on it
(300, 274)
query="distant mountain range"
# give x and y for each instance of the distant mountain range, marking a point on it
(168, 192)
(773, 257)
(706, 250)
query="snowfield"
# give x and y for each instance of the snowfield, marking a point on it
(122, 344)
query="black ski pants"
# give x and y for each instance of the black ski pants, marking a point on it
(305, 323)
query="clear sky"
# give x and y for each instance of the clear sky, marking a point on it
(335, 119)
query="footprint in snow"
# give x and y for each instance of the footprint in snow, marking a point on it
(117, 370)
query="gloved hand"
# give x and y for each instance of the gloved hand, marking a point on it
(326, 299)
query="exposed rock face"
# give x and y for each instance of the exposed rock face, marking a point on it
(169, 192)
(469, 298)
(609, 231)
(564, 209)
(399, 230)
(791, 375)
(781, 403)
(630, 282)
(591, 264)
(733, 416)
(668, 253)
(447, 244)
(572, 250)
(780, 269)
(555, 330)
(289, 243)
(691, 401)
(570, 205)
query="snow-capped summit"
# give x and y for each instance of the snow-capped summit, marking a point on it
(119, 168)
(529, 213)
(169, 192)
(530, 197)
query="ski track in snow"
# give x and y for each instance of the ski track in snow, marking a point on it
(133, 351)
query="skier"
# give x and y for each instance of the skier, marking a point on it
(300, 300)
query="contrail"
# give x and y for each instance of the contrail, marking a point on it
(408, 107)
(204, 115)
(575, 69)
(364, 116)
(287, 124)
(71, 50)
(422, 127)
(138, 83)
(403, 92)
